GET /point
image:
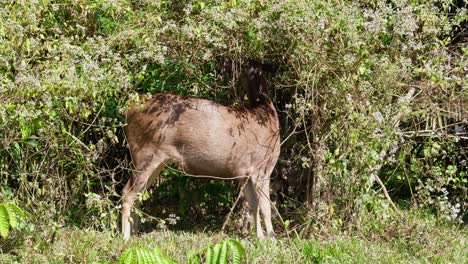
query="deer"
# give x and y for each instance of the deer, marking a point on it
(206, 138)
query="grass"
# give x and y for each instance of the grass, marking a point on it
(409, 239)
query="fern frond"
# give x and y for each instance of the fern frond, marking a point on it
(195, 259)
(219, 253)
(137, 255)
(237, 249)
(126, 257)
(216, 253)
(209, 255)
(224, 252)
(139, 252)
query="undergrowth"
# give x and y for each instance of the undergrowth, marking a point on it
(414, 237)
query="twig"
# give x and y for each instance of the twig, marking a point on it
(385, 192)
(203, 176)
(228, 217)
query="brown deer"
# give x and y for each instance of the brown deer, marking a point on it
(205, 138)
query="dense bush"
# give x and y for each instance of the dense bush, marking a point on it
(364, 90)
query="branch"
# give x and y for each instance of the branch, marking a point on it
(228, 217)
(385, 192)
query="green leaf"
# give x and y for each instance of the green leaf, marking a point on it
(4, 226)
(10, 216)
(158, 252)
(217, 251)
(209, 255)
(125, 257)
(237, 249)
(143, 256)
(224, 253)
(13, 216)
(195, 259)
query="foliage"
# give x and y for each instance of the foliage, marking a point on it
(417, 238)
(363, 90)
(137, 255)
(436, 172)
(219, 253)
(10, 216)
(213, 254)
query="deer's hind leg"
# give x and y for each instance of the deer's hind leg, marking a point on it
(148, 166)
(263, 194)
(250, 194)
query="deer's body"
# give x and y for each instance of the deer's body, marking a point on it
(204, 138)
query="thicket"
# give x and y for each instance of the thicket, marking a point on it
(367, 92)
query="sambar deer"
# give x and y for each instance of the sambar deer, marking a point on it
(205, 138)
